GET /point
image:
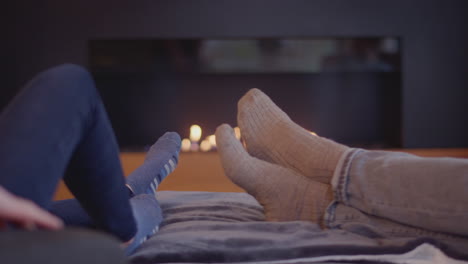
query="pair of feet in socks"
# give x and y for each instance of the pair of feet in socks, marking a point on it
(285, 167)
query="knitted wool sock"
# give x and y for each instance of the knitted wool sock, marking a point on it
(271, 135)
(284, 194)
(148, 217)
(160, 160)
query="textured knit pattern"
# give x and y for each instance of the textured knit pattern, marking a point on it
(284, 194)
(148, 216)
(271, 135)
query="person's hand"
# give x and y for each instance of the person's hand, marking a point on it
(25, 213)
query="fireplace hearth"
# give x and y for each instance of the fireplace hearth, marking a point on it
(347, 89)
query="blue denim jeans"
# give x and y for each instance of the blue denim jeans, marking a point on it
(55, 128)
(396, 195)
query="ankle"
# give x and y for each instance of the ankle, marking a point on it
(126, 244)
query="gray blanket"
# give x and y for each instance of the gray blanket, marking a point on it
(207, 227)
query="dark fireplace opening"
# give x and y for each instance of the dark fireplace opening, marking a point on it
(346, 89)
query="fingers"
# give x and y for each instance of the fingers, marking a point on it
(26, 214)
(32, 216)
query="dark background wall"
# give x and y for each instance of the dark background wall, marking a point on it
(39, 34)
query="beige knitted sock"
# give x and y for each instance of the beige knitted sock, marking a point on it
(271, 135)
(284, 194)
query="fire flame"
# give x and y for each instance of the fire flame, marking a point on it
(191, 144)
(237, 132)
(205, 145)
(212, 140)
(195, 133)
(185, 145)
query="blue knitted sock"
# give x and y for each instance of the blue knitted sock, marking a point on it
(160, 160)
(148, 217)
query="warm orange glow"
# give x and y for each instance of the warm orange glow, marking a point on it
(185, 145)
(195, 133)
(194, 147)
(313, 133)
(205, 145)
(237, 132)
(212, 140)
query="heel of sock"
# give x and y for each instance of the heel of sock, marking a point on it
(148, 216)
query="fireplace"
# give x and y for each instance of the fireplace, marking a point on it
(347, 89)
(431, 36)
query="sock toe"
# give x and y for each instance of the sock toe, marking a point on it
(160, 161)
(225, 137)
(169, 143)
(284, 194)
(234, 157)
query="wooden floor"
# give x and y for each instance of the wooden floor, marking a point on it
(194, 172)
(203, 171)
